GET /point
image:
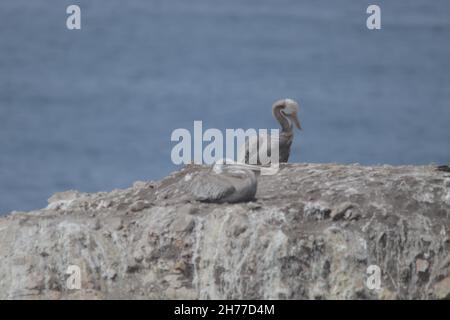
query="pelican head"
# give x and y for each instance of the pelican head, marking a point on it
(219, 165)
(222, 165)
(289, 109)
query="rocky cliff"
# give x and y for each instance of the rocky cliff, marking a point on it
(311, 233)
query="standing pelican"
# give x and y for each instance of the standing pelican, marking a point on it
(225, 183)
(285, 111)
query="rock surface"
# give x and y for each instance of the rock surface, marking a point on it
(311, 234)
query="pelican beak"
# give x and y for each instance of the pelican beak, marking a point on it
(296, 122)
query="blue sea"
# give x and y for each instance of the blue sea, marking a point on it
(94, 109)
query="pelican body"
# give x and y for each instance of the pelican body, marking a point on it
(225, 183)
(285, 112)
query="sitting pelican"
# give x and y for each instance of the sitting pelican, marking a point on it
(285, 111)
(225, 182)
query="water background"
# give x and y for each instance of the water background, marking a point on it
(93, 109)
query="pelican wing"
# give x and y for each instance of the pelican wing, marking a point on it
(211, 188)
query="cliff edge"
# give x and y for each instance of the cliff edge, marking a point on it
(311, 233)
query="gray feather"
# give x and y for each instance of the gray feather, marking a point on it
(210, 188)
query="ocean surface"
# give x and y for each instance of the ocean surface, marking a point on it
(94, 109)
